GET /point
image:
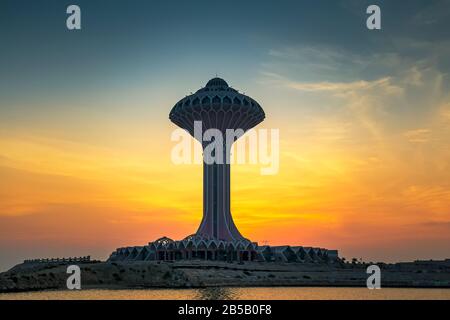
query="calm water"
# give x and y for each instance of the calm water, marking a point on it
(289, 293)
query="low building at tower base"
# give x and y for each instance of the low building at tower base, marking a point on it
(195, 247)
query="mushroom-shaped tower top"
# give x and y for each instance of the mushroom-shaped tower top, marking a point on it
(217, 106)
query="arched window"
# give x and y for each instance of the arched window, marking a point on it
(206, 100)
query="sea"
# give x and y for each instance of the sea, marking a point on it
(236, 293)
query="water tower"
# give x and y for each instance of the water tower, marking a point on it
(220, 107)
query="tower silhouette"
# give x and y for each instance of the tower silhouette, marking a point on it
(220, 107)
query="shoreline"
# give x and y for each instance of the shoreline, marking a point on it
(210, 274)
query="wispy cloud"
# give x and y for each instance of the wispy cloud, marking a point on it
(418, 135)
(343, 87)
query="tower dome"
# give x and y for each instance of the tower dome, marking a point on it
(217, 82)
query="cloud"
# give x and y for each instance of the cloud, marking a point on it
(384, 83)
(418, 135)
(363, 102)
(317, 58)
(343, 87)
(410, 64)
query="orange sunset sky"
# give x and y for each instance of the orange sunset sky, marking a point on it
(364, 120)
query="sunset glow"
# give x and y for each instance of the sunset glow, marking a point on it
(85, 161)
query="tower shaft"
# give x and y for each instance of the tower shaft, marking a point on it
(217, 221)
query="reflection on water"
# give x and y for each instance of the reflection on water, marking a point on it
(216, 293)
(278, 293)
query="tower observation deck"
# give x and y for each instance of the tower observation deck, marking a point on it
(220, 107)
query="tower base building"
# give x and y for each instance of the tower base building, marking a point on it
(197, 248)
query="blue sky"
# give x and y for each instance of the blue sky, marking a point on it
(159, 41)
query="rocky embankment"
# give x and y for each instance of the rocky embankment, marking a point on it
(186, 274)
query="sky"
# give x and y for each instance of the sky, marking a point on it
(364, 120)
